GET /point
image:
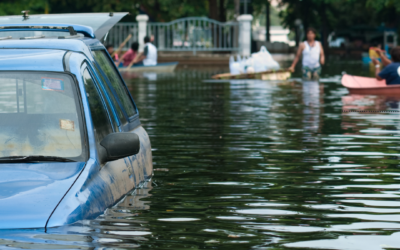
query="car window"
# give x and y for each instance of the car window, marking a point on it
(101, 123)
(40, 114)
(109, 69)
(118, 109)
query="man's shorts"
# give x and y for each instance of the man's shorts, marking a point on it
(311, 73)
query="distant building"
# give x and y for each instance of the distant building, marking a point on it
(363, 36)
(277, 34)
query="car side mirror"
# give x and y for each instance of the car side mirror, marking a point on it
(120, 145)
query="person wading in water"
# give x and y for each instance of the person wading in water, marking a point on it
(313, 56)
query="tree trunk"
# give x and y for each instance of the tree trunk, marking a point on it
(297, 36)
(305, 11)
(237, 8)
(300, 6)
(222, 11)
(325, 29)
(213, 9)
(268, 22)
(157, 11)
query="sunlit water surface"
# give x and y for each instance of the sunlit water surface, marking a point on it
(249, 164)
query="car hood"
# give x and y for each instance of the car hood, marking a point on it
(29, 192)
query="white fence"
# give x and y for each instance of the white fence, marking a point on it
(195, 34)
(187, 34)
(120, 32)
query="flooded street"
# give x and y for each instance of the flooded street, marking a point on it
(250, 164)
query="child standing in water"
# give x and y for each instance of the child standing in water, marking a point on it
(313, 56)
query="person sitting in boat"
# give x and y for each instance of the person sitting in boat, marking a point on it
(130, 55)
(110, 50)
(313, 56)
(149, 55)
(391, 72)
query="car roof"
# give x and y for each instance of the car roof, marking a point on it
(8, 29)
(100, 23)
(28, 59)
(77, 45)
(42, 54)
(49, 51)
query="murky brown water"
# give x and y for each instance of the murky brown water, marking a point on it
(253, 165)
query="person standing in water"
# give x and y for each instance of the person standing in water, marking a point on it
(313, 56)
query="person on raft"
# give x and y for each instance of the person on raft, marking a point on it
(110, 50)
(313, 56)
(391, 72)
(130, 55)
(149, 55)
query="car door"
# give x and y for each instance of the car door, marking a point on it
(101, 183)
(118, 174)
(127, 113)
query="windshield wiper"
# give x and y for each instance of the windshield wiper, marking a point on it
(34, 158)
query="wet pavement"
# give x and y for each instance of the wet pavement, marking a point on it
(249, 164)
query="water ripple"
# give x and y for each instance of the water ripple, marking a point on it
(250, 164)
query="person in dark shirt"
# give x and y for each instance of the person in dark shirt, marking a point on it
(391, 72)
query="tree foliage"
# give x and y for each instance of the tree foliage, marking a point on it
(158, 10)
(322, 14)
(340, 14)
(8, 7)
(167, 10)
(384, 4)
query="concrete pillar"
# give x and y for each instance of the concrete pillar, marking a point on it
(142, 29)
(245, 34)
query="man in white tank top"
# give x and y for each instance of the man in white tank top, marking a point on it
(149, 55)
(313, 56)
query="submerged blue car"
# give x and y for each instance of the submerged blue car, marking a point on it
(71, 142)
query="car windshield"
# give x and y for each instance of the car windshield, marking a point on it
(40, 115)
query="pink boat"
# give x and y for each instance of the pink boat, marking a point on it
(369, 86)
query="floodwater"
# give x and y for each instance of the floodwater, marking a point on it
(249, 164)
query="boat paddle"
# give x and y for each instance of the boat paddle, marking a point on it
(131, 63)
(122, 45)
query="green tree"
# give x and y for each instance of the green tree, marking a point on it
(9, 7)
(384, 4)
(332, 15)
(158, 10)
(168, 10)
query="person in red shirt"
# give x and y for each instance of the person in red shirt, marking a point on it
(130, 55)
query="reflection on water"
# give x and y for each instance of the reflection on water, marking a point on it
(371, 102)
(252, 164)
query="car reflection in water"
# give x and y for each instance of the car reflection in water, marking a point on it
(80, 235)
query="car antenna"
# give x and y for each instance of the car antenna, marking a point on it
(111, 13)
(25, 14)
